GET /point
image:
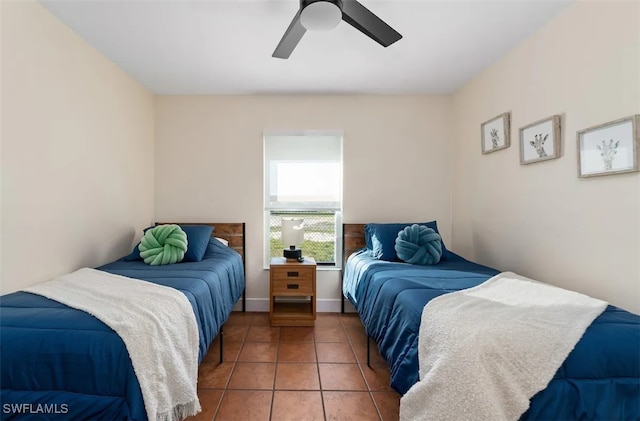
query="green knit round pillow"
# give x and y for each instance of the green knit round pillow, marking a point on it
(163, 245)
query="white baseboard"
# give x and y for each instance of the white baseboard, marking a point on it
(254, 304)
(328, 306)
(322, 306)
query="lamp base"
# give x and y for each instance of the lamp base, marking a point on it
(293, 254)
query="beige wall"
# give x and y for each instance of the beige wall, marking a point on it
(78, 156)
(77, 151)
(541, 220)
(209, 163)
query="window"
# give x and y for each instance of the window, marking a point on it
(303, 180)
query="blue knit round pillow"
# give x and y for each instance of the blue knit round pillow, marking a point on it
(419, 245)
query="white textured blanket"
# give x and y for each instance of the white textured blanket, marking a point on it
(484, 352)
(157, 325)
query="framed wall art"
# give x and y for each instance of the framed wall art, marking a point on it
(495, 133)
(540, 141)
(609, 148)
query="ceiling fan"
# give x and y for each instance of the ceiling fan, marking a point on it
(327, 14)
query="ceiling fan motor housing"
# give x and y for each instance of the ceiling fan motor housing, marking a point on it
(305, 3)
(320, 14)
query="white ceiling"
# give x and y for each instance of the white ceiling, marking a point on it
(225, 46)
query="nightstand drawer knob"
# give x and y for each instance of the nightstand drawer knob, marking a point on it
(293, 274)
(293, 286)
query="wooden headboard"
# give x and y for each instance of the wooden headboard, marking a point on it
(352, 240)
(233, 232)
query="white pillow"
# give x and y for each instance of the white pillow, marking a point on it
(222, 240)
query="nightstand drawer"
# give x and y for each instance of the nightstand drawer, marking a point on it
(292, 286)
(293, 274)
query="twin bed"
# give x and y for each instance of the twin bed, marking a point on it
(600, 379)
(66, 364)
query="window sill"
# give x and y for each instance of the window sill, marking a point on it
(327, 268)
(319, 268)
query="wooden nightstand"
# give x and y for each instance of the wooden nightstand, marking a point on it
(295, 282)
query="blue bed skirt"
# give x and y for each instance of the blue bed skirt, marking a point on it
(62, 363)
(600, 379)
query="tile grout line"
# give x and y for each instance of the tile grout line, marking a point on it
(275, 374)
(366, 382)
(315, 348)
(233, 368)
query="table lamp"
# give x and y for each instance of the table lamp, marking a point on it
(292, 236)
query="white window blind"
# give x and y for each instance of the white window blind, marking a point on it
(303, 172)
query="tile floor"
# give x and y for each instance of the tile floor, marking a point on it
(295, 373)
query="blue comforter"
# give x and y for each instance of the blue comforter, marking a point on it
(600, 378)
(62, 363)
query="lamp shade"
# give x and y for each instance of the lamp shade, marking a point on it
(292, 232)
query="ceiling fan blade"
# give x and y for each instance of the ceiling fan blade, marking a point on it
(291, 38)
(368, 23)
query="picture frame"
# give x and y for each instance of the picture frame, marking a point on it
(496, 133)
(541, 141)
(609, 148)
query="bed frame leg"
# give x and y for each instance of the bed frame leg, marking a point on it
(244, 269)
(341, 290)
(369, 351)
(221, 340)
(244, 300)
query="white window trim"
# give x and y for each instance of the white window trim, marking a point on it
(303, 132)
(267, 211)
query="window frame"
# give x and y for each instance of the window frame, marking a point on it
(337, 211)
